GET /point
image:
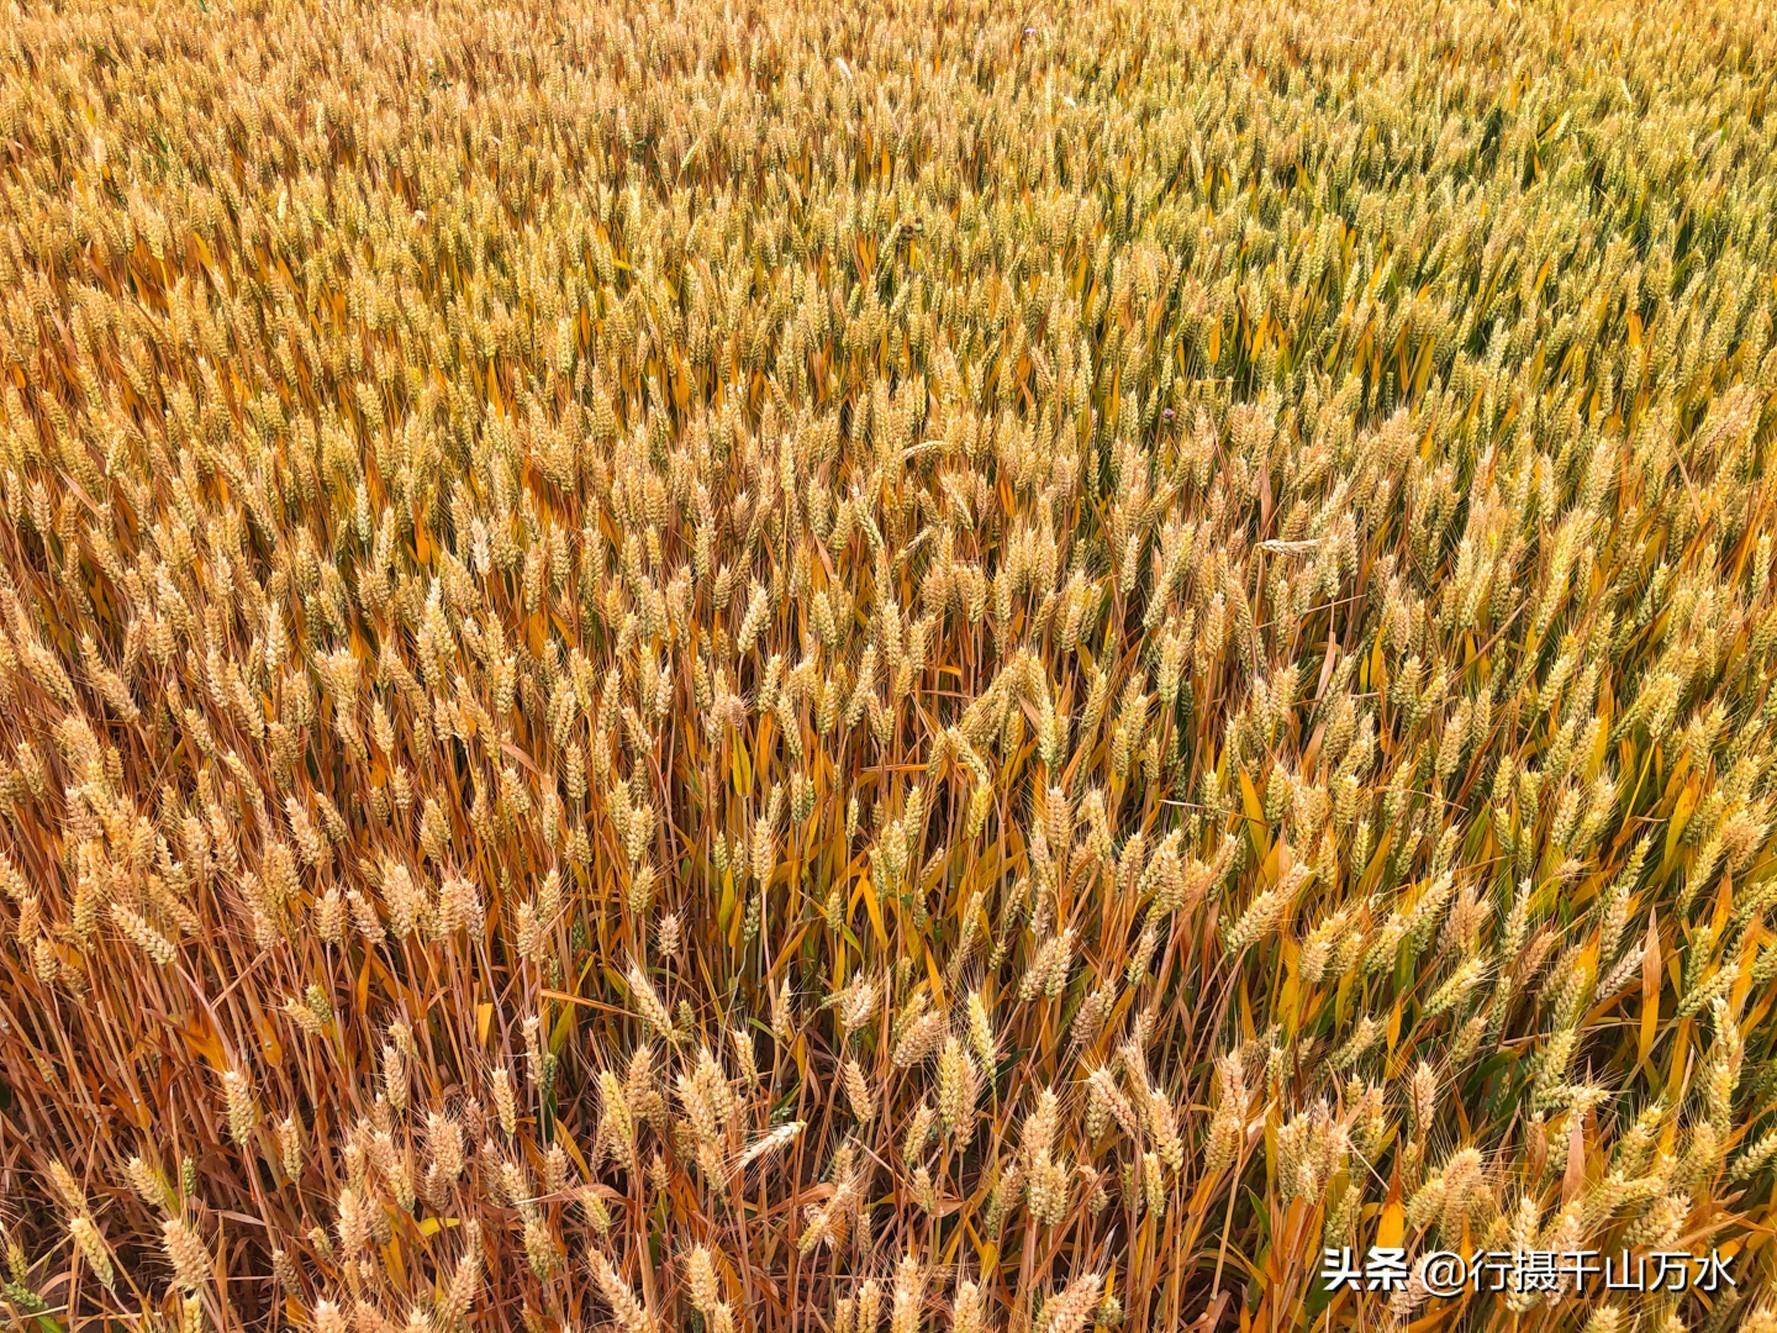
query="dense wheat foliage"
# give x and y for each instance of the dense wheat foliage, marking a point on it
(923, 666)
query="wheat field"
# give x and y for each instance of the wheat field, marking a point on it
(798, 668)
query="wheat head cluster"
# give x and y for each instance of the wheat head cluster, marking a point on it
(802, 668)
